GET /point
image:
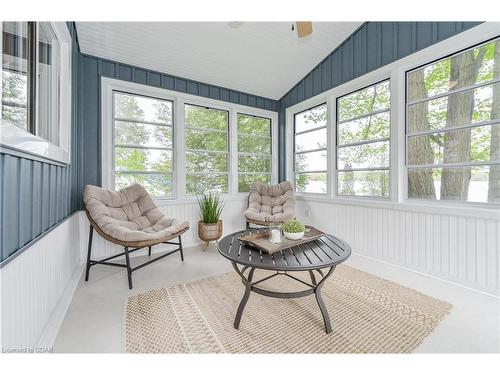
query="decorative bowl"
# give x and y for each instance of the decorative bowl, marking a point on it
(294, 236)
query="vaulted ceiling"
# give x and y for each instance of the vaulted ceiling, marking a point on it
(260, 58)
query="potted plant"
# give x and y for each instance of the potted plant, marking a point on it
(210, 225)
(293, 229)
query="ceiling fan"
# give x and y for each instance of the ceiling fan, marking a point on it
(303, 28)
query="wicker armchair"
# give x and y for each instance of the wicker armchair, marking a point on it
(129, 218)
(269, 204)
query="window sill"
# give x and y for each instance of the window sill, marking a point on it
(16, 141)
(466, 209)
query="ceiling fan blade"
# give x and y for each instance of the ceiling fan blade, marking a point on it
(304, 29)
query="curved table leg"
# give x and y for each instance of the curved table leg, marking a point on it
(321, 304)
(313, 279)
(246, 295)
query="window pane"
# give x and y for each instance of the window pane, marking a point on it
(451, 183)
(254, 145)
(466, 145)
(364, 183)
(364, 102)
(202, 183)
(246, 180)
(206, 118)
(437, 78)
(439, 113)
(141, 108)
(371, 127)
(368, 155)
(254, 163)
(136, 159)
(310, 119)
(157, 185)
(310, 182)
(206, 140)
(254, 125)
(137, 134)
(311, 140)
(206, 161)
(49, 71)
(14, 81)
(310, 161)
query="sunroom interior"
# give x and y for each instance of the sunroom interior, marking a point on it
(381, 140)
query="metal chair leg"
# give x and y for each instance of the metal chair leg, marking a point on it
(129, 270)
(180, 249)
(87, 271)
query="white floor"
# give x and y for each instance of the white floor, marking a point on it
(93, 322)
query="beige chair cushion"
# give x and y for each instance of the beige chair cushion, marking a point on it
(129, 215)
(271, 203)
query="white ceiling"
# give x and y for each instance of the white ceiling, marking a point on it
(260, 58)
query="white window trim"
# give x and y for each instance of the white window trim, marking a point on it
(396, 73)
(108, 85)
(33, 146)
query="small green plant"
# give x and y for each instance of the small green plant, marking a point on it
(210, 207)
(293, 226)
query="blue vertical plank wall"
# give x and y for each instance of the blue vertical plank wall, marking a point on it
(35, 195)
(370, 47)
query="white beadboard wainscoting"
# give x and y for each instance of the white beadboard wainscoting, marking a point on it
(37, 287)
(454, 245)
(232, 218)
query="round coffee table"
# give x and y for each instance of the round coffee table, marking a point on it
(323, 253)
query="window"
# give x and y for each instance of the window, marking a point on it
(15, 74)
(310, 150)
(207, 149)
(36, 94)
(143, 139)
(254, 150)
(453, 127)
(363, 137)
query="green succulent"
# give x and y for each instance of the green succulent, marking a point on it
(293, 226)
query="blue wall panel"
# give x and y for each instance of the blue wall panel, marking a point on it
(371, 46)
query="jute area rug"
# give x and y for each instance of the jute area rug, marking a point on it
(368, 314)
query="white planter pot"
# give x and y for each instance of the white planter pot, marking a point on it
(294, 236)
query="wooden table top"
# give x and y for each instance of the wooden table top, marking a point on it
(326, 251)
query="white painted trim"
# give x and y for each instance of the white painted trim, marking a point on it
(18, 139)
(394, 71)
(179, 100)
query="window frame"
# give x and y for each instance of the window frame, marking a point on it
(179, 99)
(238, 153)
(394, 71)
(228, 152)
(385, 139)
(444, 130)
(17, 141)
(294, 152)
(171, 149)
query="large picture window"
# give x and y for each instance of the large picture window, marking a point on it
(453, 127)
(143, 139)
(363, 142)
(310, 150)
(207, 149)
(254, 150)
